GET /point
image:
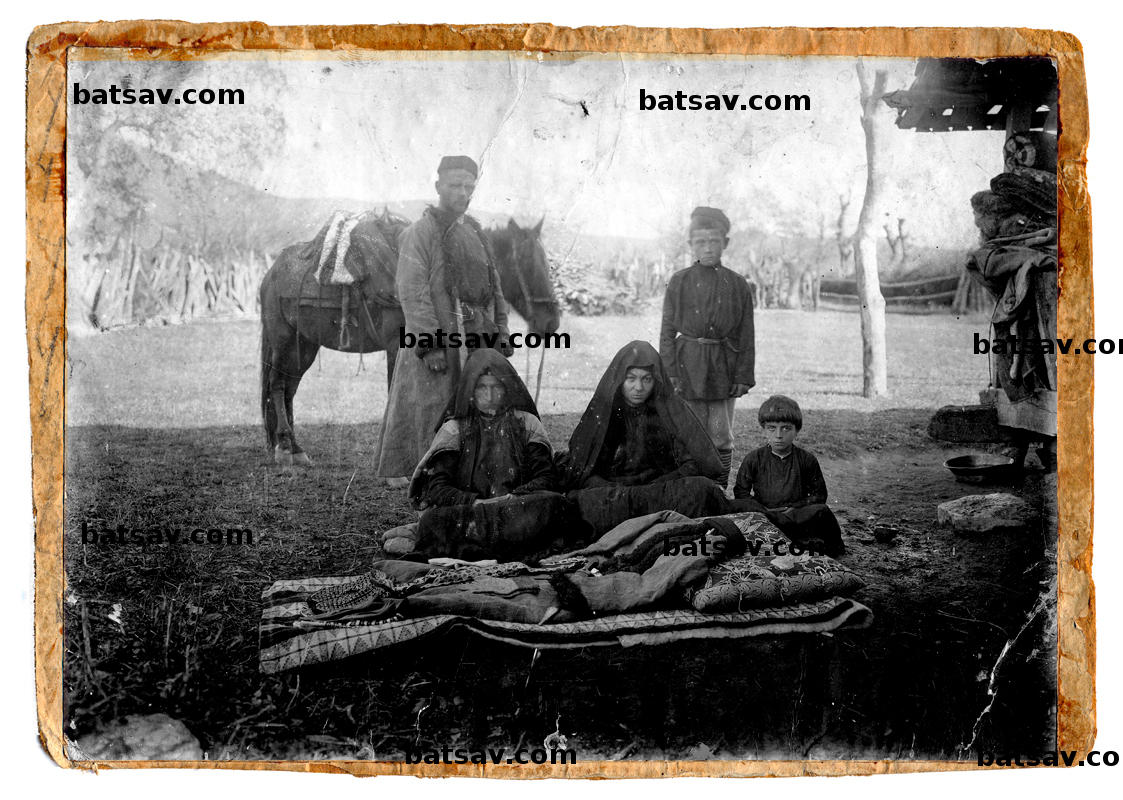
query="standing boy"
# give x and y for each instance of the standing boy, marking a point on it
(707, 342)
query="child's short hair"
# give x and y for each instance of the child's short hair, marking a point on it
(778, 408)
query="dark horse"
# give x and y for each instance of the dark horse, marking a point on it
(299, 314)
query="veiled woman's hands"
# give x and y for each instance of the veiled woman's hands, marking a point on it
(492, 500)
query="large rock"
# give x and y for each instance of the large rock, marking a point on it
(152, 737)
(987, 513)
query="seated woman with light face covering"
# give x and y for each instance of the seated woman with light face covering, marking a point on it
(484, 486)
(639, 449)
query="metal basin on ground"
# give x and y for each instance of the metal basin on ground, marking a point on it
(981, 468)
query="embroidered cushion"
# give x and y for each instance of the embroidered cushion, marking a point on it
(772, 577)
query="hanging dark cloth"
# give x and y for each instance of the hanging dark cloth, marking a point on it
(1020, 271)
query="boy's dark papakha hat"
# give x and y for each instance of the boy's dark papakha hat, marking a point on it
(712, 219)
(459, 162)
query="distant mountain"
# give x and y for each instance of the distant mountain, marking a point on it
(166, 204)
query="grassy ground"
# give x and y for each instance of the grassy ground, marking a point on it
(164, 432)
(205, 375)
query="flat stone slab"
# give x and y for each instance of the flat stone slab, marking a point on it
(987, 513)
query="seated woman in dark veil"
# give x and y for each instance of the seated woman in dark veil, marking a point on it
(484, 486)
(639, 449)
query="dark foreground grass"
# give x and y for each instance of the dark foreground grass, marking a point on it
(164, 432)
(173, 628)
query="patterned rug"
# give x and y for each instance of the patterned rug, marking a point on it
(288, 639)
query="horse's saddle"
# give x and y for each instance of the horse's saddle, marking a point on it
(351, 250)
(332, 269)
(350, 262)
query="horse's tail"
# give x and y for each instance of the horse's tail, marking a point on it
(268, 412)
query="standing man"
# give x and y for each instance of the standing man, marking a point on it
(446, 282)
(707, 343)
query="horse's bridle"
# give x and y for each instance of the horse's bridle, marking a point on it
(386, 229)
(527, 296)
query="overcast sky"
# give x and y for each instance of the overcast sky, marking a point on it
(566, 138)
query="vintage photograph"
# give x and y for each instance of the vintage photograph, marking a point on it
(504, 408)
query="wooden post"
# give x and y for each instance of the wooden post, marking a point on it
(874, 122)
(130, 280)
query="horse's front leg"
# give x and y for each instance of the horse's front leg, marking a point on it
(298, 456)
(283, 449)
(303, 359)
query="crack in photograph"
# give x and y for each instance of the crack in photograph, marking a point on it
(551, 408)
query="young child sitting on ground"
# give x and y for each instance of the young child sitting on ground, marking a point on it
(785, 483)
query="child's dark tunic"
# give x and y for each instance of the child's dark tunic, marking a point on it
(775, 482)
(766, 482)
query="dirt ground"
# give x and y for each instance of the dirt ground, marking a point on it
(173, 629)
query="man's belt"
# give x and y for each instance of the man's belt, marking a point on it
(470, 311)
(701, 340)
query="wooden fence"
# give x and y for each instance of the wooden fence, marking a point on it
(169, 285)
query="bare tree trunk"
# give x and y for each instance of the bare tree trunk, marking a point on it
(793, 299)
(845, 244)
(898, 245)
(874, 376)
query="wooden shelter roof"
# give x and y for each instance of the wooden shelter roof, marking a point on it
(963, 94)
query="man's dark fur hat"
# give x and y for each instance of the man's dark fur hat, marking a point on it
(459, 162)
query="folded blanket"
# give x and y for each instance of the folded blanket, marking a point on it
(646, 562)
(645, 576)
(382, 592)
(624, 592)
(527, 599)
(636, 544)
